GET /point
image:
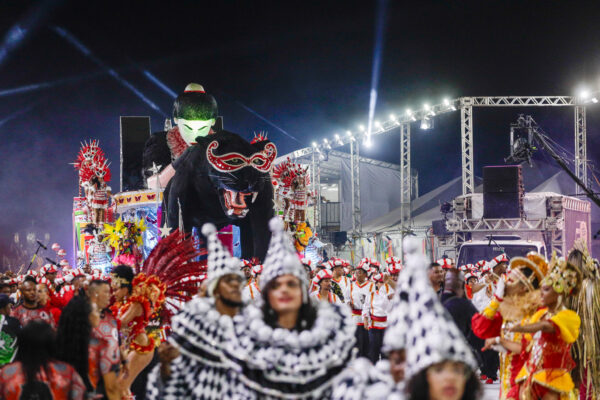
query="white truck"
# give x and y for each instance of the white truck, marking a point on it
(551, 222)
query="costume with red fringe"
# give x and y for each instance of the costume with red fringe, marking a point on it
(168, 278)
(291, 182)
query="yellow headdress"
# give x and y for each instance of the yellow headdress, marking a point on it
(564, 277)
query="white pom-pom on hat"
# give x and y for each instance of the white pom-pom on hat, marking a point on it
(411, 245)
(208, 229)
(275, 224)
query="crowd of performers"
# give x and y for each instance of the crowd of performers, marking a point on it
(172, 327)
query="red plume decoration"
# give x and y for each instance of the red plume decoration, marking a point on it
(170, 267)
(287, 172)
(91, 161)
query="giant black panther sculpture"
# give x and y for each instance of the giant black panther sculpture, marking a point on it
(225, 180)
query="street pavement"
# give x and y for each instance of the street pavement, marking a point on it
(491, 392)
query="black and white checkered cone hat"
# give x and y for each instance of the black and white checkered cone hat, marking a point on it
(431, 334)
(281, 257)
(219, 262)
(395, 333)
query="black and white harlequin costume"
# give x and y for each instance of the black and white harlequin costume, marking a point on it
(200, 333)
(417, 323)
(276, 363)
(433, 336)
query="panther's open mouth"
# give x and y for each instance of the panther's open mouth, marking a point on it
(235, 202)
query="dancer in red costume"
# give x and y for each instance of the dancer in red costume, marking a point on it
(515, 300)
(551, 332)
(167, 279)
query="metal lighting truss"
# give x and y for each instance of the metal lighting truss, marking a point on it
(355, 187)
(580, 147)
(465, 104)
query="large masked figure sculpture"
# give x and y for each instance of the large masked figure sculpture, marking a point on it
(225, 180)
(211, 175)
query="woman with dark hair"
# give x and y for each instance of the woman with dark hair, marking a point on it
(288, 347)
(90, 355)
(448, 380)
(73, 336)
(36, 374)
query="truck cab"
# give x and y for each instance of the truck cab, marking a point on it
(472, 251)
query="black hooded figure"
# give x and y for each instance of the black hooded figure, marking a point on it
(216, 177)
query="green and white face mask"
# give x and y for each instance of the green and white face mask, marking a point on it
(191, 129)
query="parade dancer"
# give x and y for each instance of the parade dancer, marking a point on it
(197, 368)
(375, 311)
(288, 347)
(251, 291)
(98, 252)
(94, 172)
(357, 295)
(516, 299)
(30, 309)
(340, 279)
(325, 293)
(246, 267)
(126, 239)
(37, 374)
(439, 362)
(99, 294)
(394, 266)
(157, 290)
(553, 329)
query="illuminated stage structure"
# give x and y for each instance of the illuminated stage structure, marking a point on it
(424, 116)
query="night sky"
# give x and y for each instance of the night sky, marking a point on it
(304, 66)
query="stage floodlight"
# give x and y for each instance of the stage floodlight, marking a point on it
(426, 124)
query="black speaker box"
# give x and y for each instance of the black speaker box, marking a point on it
(339, 238)
(439, 228)
(504, 179)
(502, 205)
(134, 133)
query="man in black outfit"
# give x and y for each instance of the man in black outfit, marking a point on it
(462, 310)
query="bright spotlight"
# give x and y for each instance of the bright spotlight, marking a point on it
(584, 94)
(393, 117)
(378, 124)
(426, 107)
(337, 137)
(368, 142)
(408, 112)
(446, 102)
(594, 100)
(314, 144)
(349, 133)
(426, 124)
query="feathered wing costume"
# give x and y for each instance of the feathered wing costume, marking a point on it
(166, 280)
(171, 267)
